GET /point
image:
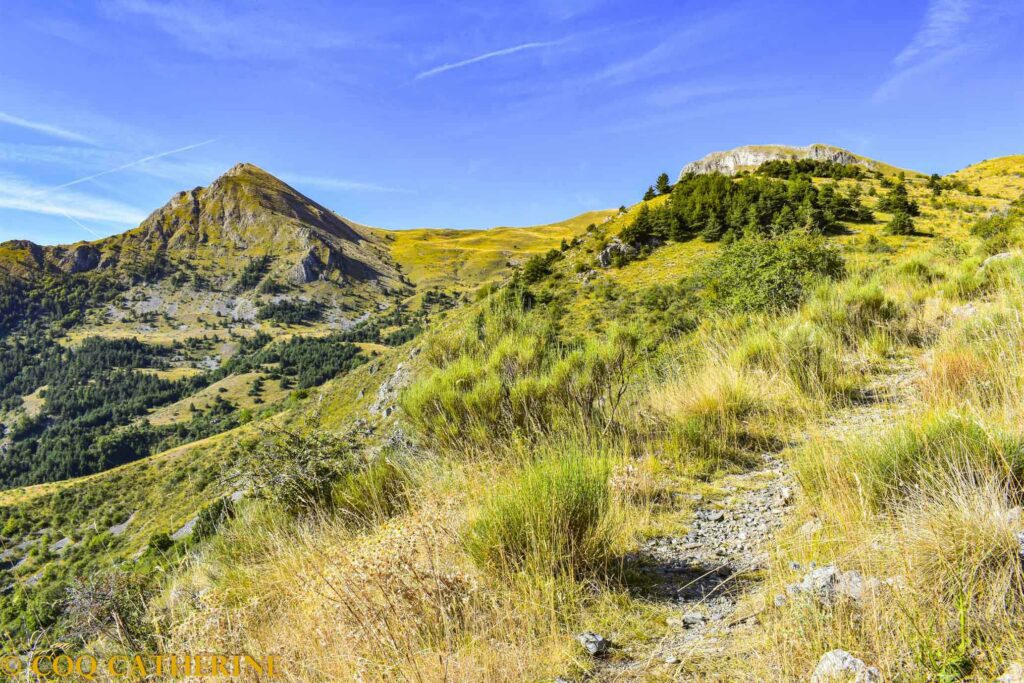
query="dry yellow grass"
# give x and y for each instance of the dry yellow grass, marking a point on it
(462, 259)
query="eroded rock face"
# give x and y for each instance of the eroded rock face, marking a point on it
(752, 156)
(80, 259)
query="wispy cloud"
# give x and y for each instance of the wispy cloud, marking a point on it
(675, 47)
(487, 55)
(45, 129)
(338, 184)
(137, 162)
(21, 195)
(233, 33)
(940, 40)
(686, 93)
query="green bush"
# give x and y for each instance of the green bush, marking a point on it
(901, 224)
(296, 466)
(509, 375)
(812, 360)
(551, 518)
(770, 273)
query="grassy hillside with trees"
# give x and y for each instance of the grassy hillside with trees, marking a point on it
(777, 355)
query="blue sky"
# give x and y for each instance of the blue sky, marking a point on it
(474, 114)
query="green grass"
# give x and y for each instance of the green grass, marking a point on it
(548, 518)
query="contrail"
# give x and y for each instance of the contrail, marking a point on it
(45, 128)
(131, 164)
(81, 225)
(489, 55)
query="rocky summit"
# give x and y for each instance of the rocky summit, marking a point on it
(750, 157)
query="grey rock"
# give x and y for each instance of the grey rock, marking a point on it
(595, 644)
(616, 246)
(82, 258)
(780, 600)
(995, 258)
(1013, 674)
(964, 311)
(691, 619)
(185, 530)
(751, 156)
(839, 666)
(827, 585)
(387, 393)
(60, 545)
(811, 527)
(119, 529)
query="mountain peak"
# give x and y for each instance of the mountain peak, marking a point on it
(244, 215)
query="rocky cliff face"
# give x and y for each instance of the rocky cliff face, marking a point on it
(752, 156)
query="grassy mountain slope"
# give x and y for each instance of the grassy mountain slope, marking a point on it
(581, 402)
(523, 440)
(462, 259)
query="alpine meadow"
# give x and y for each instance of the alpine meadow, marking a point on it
(764, 421)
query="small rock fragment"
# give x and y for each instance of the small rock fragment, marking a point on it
(595, 644)
(839, 666)
(691, 619)
(1013, 674)
(811, 527)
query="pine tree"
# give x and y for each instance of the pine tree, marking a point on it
(663, 185)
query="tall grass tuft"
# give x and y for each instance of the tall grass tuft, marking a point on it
(875, 474)
(551, 518)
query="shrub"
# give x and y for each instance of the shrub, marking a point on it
(901, 224)
(296, 466)
(770, 274)
(550, 518)
(112, 606)
(509, 375)
(852, 312)
(813, 361)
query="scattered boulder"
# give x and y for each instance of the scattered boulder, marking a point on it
(691, 619)
(387, 393)
(965, 311)
(118, 529)
(995, 258)
(616, 246)
(595, 644)
(811, 527)
(60, 545)
(827, 585)
(1013, 674)
(839, 666)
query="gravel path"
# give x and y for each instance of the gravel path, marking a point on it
(704, 573)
